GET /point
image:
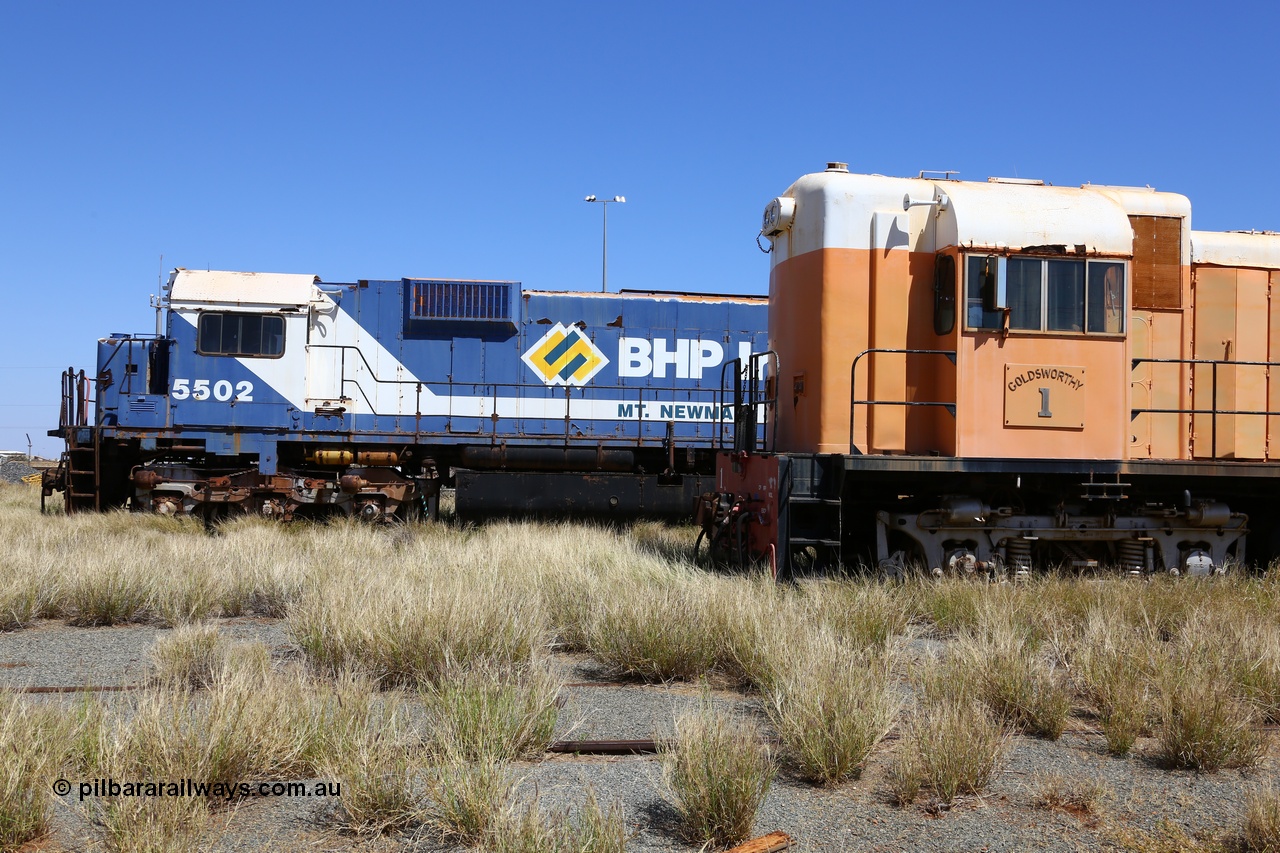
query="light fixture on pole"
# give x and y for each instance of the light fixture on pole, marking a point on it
(604, 269)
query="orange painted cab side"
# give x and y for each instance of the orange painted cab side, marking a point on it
(1232, 322)
(818, 310)
(1158, 335)
(828, 306)
(982, 360)
(1273, 386)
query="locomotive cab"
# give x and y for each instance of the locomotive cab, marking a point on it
(996, 376)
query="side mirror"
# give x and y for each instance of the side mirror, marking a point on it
(944, 295)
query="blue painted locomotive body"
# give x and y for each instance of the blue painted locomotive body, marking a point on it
(282, 394)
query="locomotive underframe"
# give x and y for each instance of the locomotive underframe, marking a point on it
(1004, 541)
(894, 513)
(369, 493)
(317, 476)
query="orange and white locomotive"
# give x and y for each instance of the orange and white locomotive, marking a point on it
(1003, 375)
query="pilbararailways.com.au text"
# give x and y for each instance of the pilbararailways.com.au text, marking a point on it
(192, 788)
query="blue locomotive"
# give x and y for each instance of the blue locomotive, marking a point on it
(285, 396)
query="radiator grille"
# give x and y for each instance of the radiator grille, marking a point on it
(487, 301)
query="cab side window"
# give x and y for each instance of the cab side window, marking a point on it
(236, 334)
(1106, 298)
(979, 266)
(1048, 294)
(1024, 294)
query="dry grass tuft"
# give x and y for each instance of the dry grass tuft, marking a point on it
(500, 713)
(831, 708)
(1167, 837)
(186, 654)
(33, 743)
(718, 772)
(194, 655)
(1261, 832)
(406, 631)
(152, 824)
(112, 592)
(468, 799)
(1079, 796)
(1204, 724)
(756, 622)
(377, 763)
(953, 605)
(1017, 683)
(248, 724)
(1112, 667)
(657, 631)
(525, 829)
(24, 592)
(951, 746)
(1252, 645)
(860, 615)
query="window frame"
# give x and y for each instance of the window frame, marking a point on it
(1044, 260)
(219, 353)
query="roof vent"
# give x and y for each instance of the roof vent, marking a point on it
(837, 167)
(1025, 182)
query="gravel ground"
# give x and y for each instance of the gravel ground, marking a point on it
(50, 654)
(12, 471)
(855, 816)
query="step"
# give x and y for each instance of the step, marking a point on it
(802, 540)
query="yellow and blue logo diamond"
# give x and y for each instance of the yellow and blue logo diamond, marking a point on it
(565, 356)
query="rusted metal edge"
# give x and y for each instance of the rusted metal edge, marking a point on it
(770, 843)
(605, 747)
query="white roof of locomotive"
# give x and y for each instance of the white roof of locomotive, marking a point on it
(1260, 250)
(1145, 201)
(834, 209)
(1018, 215)
(222, 287)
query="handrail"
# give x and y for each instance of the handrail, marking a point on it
(492, 390)
(73, 411)
(736, 364)
(745, 414)
(1213, 394)
(950, 355)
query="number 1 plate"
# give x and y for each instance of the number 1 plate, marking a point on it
(1048, 396)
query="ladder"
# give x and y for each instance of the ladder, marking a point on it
(80, 467)
(80, 463)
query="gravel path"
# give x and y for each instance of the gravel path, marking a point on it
(50, 654)
(858, 815)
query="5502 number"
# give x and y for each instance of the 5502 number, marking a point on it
(203, 389)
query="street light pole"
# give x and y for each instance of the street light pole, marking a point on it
(604, 268)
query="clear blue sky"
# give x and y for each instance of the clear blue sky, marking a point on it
(458, 140)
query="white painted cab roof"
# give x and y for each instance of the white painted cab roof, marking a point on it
(1017, 216)
(1236, 249)
(222, 287)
